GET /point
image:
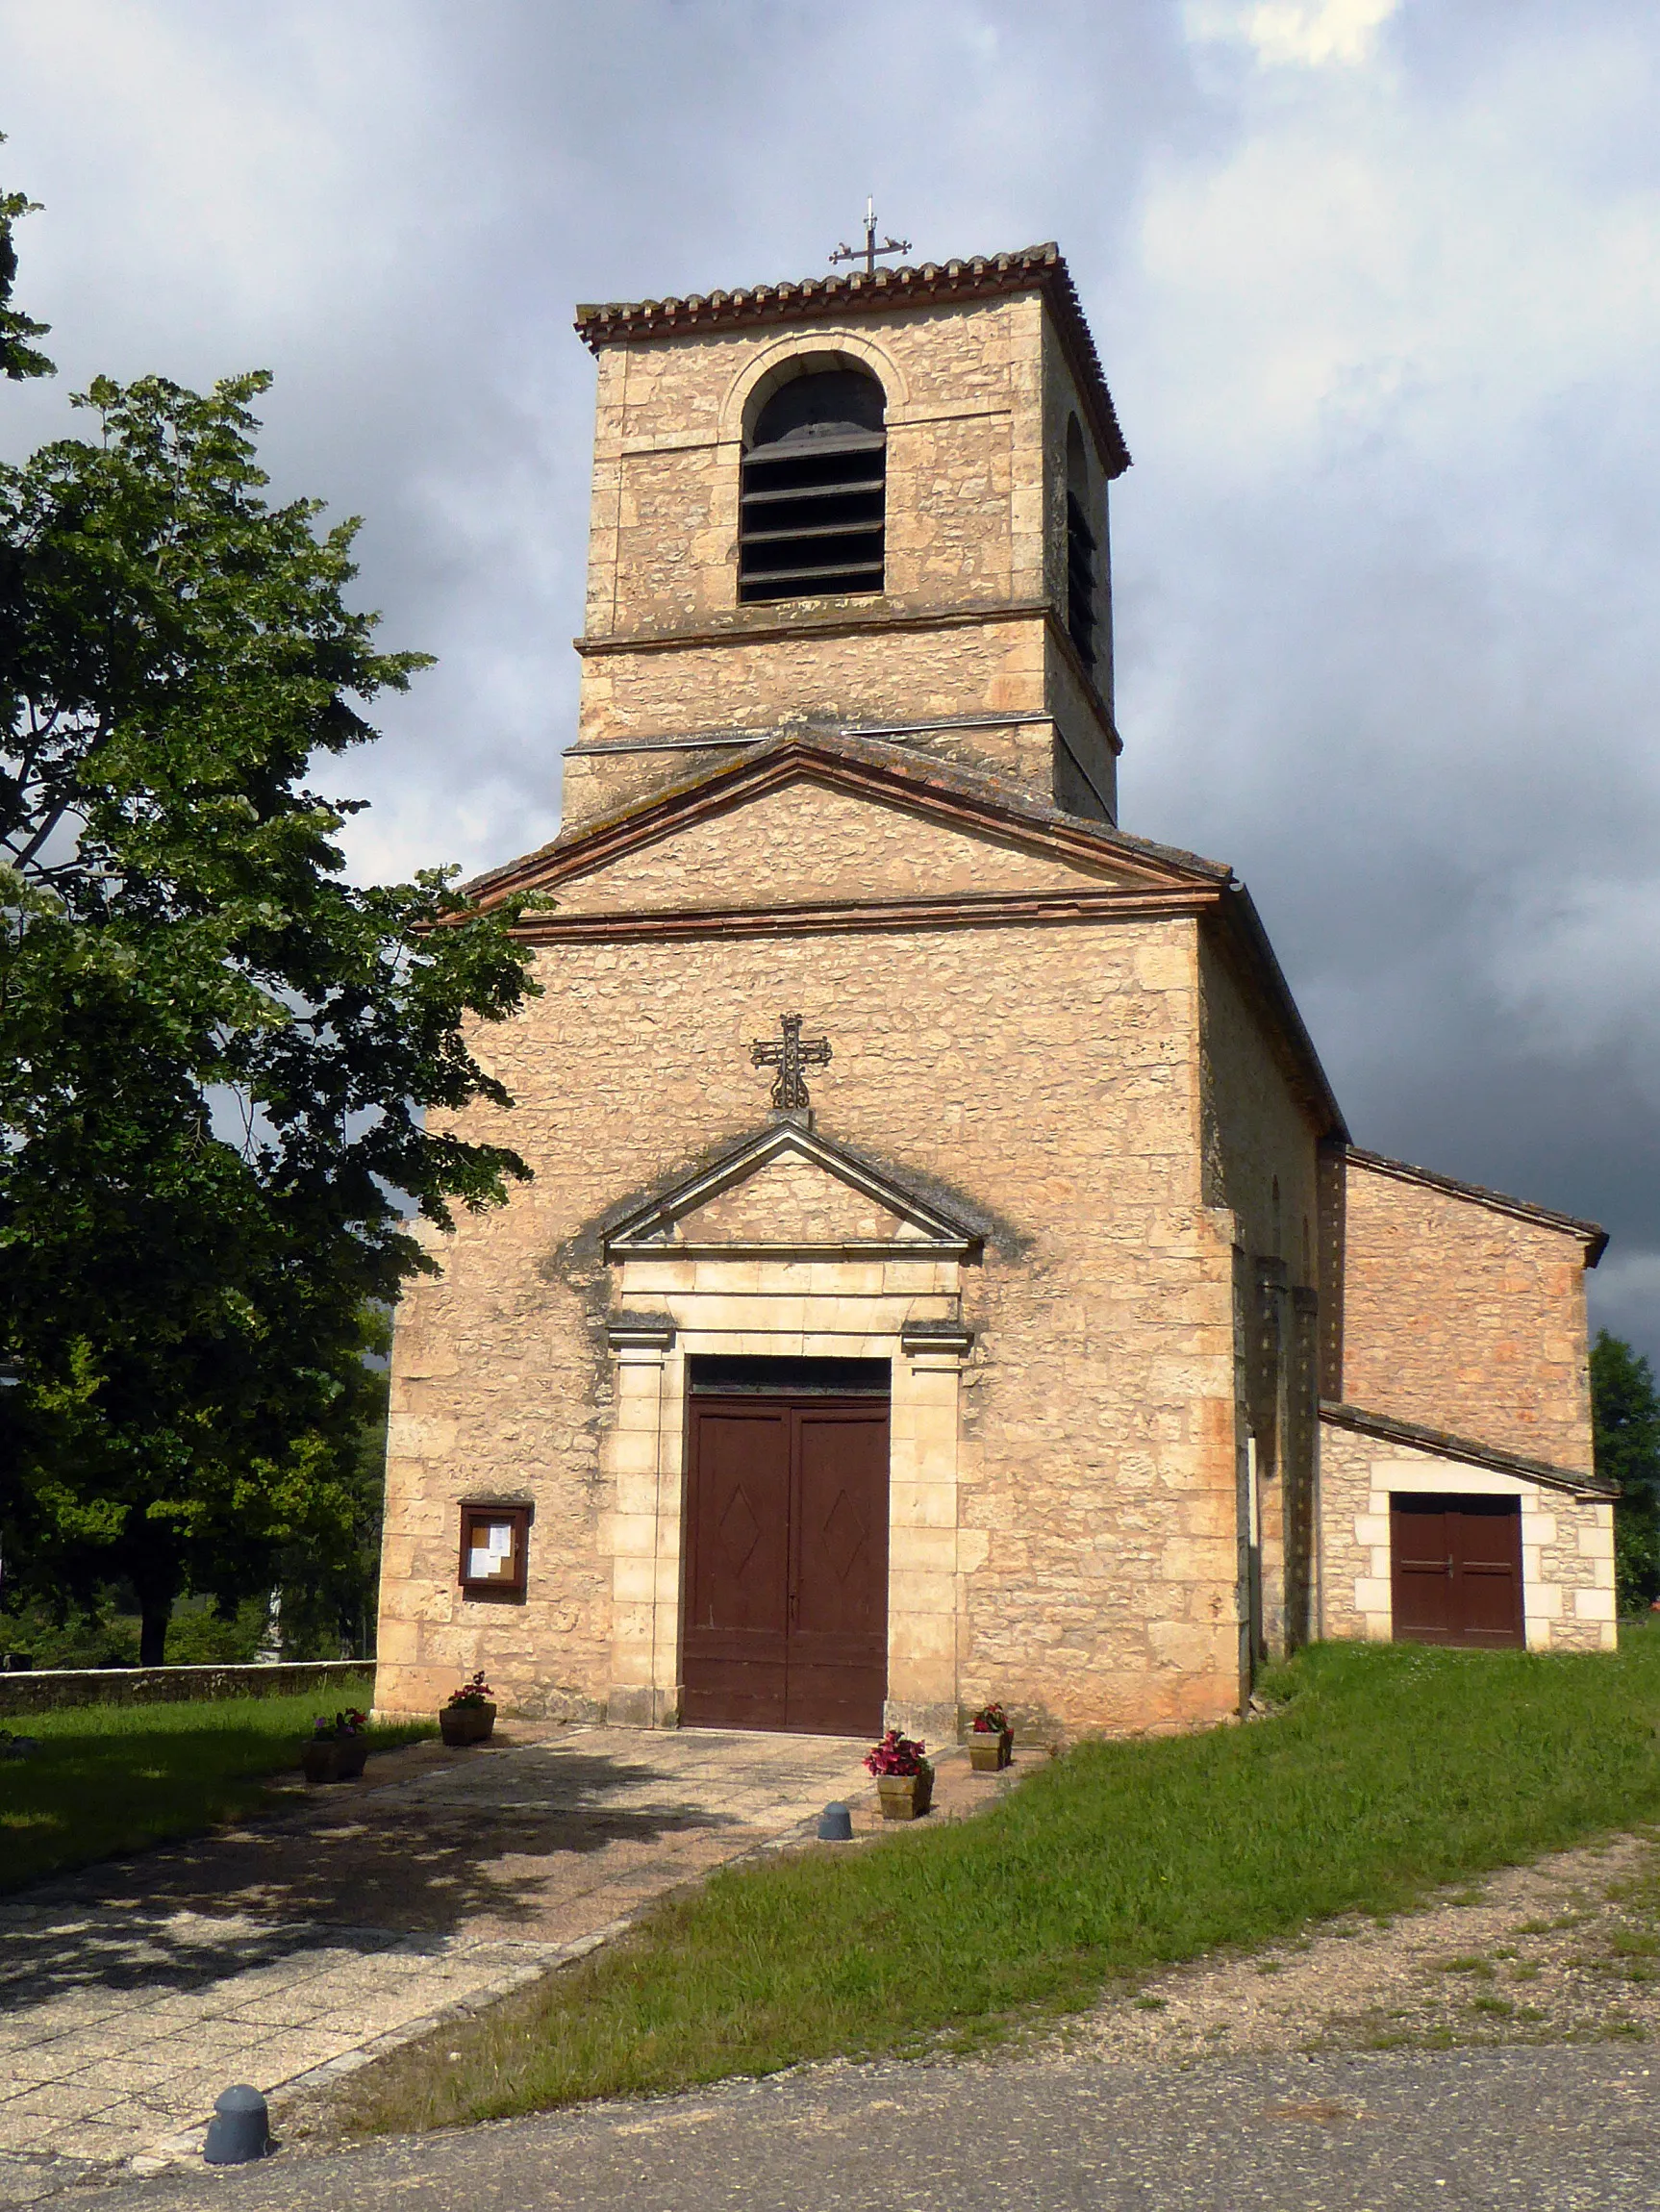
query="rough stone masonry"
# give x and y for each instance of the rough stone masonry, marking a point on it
(1166, 1367)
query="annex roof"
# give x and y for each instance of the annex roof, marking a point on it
(1041, 269)
(1388, 1429)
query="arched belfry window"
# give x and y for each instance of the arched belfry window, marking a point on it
(1080, 549)
(813, 490)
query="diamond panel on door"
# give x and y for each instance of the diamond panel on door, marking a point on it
(844, 1537)
(740, 1532)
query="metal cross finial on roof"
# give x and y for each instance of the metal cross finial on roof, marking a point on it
(790, 1057)
(868, 251)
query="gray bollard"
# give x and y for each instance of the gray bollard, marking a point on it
(835, 1826)
(239, 2129)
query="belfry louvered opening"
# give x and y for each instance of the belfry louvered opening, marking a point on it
(815, 489)
(1080, 550)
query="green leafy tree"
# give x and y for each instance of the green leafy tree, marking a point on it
(326, 1605)
(18, 357)
(1625, 1418)
(215, 1054)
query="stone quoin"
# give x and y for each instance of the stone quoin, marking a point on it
(1044, 1339)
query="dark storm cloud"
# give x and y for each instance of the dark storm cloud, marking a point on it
(1378, 291)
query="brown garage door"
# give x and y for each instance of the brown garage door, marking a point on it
(786, 1578)
(1456, 1570)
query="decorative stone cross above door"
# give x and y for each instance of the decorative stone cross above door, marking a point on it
(792, 1053)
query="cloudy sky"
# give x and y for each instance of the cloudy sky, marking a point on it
(1377, 287)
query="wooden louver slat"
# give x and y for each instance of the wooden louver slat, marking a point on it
(758, 498)
(811, 519)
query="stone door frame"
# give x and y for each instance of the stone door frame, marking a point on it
(906, 1312)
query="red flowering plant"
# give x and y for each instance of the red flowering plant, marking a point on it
(990, 1721)
(477, 1691)
(350, 1722)
(898, 1755)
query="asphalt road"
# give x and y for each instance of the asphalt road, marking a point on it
(1531, 2129)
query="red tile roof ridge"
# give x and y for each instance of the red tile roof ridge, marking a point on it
(596, 320)
(1029, 268)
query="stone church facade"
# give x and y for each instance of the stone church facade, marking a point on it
(947, 1274)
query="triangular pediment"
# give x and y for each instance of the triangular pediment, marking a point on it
(787, 1190)
(839, 823)
(808, 842)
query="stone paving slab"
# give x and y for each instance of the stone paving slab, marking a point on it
(130, 1995)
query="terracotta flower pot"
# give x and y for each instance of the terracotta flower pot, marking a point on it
(466, 1723)
(905, 1797)
(334, 1758)
(989, 1750)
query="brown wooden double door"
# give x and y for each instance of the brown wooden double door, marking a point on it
(1456, 1570)
(787, 1577)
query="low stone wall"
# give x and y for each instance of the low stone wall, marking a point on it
(52, 1687)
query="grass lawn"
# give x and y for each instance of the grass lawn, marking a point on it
(1389, 1771)
(111, 1779)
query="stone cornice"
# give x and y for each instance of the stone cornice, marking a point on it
(951, 1339)
(858, 917)
(641, 1332)
(850, 619)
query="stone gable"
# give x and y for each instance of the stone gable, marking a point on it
(1465, 1315)
(805, 842)
(793, 1202)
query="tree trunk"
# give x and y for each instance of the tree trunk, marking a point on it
(154, 1615)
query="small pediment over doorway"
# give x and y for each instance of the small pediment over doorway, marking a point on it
(788, 1191)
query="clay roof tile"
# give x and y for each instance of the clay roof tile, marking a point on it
(1039, 268)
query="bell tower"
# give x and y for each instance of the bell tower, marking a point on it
(874, 503)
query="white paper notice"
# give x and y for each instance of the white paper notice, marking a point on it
(492, 1557)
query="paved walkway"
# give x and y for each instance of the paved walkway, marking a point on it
(132, 1994)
